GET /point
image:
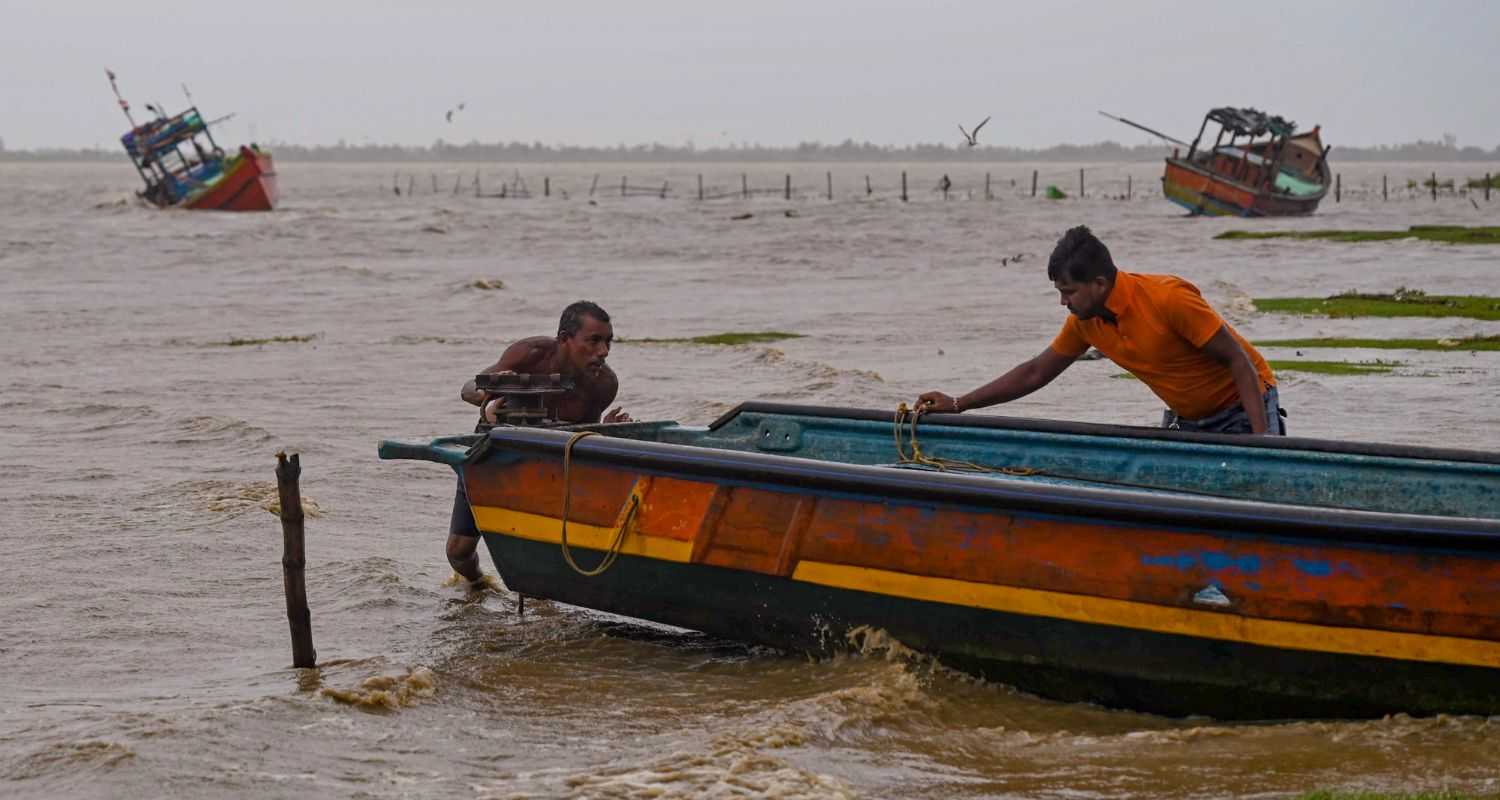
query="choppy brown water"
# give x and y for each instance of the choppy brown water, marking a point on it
(142, 629)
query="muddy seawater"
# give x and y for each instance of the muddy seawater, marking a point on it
(154, 363)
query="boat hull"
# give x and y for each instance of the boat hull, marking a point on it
(248, 185)
(1065, 660)
(1203, 192)
(1139, 596)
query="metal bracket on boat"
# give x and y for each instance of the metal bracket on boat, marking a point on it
(1212, 595)
(525, 398)
(778, 434)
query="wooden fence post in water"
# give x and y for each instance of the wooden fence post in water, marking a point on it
(433, 175)
(1033, 183)
(987, 195)
(1434, 187)
(411, 185)
(1385, 189)
(546, 187)
(664, 189)
(294, 559)
(1338, 188)
(788, 187)
(1080, 183)
(594, 185)
(623, 185)
(903, 186)
(1486, 187)
(457, 179)
(830, 187)
(1128, 187)
(700, 187)
(868, 189)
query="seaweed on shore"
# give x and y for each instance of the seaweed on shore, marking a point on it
(727, 338)
(1376, 367)
(1467, 343)
(1403, 302)
(294, 339)
(1451, 234)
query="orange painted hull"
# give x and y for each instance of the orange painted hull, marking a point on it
(1172, 604)
(250, 185)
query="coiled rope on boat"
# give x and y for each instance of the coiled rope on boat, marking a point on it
(906, 420)
(619, 539)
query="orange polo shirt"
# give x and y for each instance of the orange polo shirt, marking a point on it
(1161, 325)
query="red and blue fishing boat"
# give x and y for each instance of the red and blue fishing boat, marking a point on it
(183, 167)
(1179, 573)
(1264, 168)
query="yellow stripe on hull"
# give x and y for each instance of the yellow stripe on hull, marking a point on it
(1035, 602)
(540, 528)
(1160, 619)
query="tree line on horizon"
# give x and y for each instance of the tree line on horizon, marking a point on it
(848, 150)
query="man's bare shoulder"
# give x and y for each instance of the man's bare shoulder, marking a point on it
(531, 354)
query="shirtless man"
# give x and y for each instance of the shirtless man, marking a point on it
(577, 353)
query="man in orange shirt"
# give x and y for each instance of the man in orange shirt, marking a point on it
(1157, 326)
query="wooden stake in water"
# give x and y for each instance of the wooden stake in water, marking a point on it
(788, 187)
(987, 195)
(830, 187)
(1385, 189)
(1487, 182)
(869, 190)
(294, 560)
(1128, 187)
(1434, 187)
(1033, 183)
(903, 186)
(744, 186)
(1338, 188)
(700, 187)
(623, 185)
(1080, 183)
(594, 185)
(546, 187)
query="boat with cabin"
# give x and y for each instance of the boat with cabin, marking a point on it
(1239, 577)
(184, 167)
(1264, 168)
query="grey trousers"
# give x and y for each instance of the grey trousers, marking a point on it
(1233, 419)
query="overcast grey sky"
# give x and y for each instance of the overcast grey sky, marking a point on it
(767, 71)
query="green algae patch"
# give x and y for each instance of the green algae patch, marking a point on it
(1343, 794)
(1376, 367)
(237, 342)
(728, 338)
(1451, 234)
(1468, 343)
(1403, 302)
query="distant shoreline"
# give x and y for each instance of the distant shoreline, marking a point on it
(520, 152)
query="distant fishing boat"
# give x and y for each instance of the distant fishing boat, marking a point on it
(183, 167)
(1240, 577)
(1265, 169)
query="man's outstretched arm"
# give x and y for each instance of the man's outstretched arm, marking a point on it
(1017, 383)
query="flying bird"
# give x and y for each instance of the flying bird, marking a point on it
(972, 139)
(451, 111)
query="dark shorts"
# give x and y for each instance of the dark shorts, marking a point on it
(1233, 419)
(462, 521)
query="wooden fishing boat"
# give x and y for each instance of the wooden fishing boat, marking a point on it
(1283, 174)
(183, 167)
(1163, 571)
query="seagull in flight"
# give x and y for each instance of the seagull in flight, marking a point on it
(972, 139)
(449, 115)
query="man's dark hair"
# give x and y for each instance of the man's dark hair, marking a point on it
(1080, 257)
(572, 317)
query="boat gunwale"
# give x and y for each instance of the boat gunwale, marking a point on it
(1112, 506)
(1029, 424)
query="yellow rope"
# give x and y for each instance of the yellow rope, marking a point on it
(903, 413)
(614, 546)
